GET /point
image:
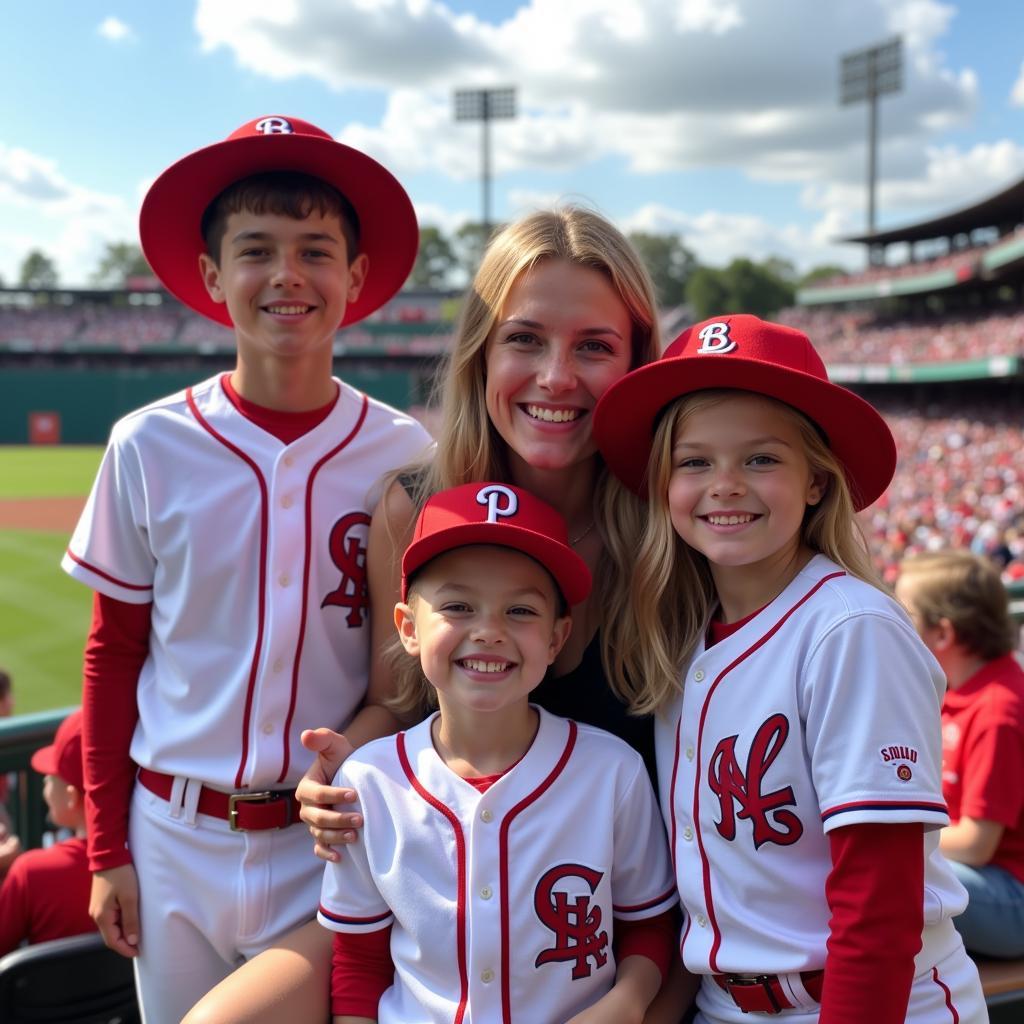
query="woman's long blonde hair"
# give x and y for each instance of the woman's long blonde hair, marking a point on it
(468, 446)
(673, 594)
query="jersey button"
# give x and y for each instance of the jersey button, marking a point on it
(689, 753)
(486, 893)
(288, 460)
(486, 815)
(487, 976)
(702, 920)
(687, 832)
(284, 579)
(286, 501)
(268, 727)
(699, 675)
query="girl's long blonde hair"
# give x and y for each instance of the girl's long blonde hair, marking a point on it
(672, 593)
(468, 446)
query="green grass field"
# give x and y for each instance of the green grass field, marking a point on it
(44, 614)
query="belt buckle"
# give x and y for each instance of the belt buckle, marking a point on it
(234, 799)
(762, 980)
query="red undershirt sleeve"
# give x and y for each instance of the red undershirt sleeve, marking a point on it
(653, 937)
(114, 654)
(361, 972)
(875, 893)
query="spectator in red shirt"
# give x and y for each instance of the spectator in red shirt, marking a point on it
(46, 892)
(960, 608)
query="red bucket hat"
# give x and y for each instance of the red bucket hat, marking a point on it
(63, 756)
(510, 517)
(169, 223)
(747, 354)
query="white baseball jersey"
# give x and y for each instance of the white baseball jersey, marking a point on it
(821, 711)
(502, 902)
(253, 553)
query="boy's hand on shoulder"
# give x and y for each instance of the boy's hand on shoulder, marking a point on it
(114, 906)
(328, 827)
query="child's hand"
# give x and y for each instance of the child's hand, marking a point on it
(328, 827)
(114, 906)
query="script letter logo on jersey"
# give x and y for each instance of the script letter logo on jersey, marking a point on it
(571, 917)
(734, 787)
(347, 547)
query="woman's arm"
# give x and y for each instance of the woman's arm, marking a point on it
(637, 980)
(390, 530)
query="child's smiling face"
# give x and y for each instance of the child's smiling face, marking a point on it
(740, 485)
(485, 623)
(286, 282)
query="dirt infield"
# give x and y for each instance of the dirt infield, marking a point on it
(53, 515)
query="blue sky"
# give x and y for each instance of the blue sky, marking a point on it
(717, 119)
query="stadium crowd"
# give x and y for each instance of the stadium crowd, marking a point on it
(857, 338)
(959, 483)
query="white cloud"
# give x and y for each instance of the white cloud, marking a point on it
(1017, 92)
(115, 30)
(42, 209)
(666, 85)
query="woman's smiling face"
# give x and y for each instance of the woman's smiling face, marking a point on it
(561, 339)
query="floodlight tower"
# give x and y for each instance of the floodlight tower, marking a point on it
(866, 75)
(485, 105)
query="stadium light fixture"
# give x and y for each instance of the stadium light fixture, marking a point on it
(864, 76)
(485, 105)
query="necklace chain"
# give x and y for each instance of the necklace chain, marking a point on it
(573, 541)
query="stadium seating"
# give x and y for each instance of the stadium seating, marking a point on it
(67, 981)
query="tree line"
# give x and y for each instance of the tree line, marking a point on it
(446, 261)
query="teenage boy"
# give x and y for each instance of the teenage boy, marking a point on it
(225, 538)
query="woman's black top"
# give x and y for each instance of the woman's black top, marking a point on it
(584, 694)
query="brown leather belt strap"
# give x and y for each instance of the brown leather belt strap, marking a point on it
(763, 993)
(244, 812)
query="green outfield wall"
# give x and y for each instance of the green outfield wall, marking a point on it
(89, 400)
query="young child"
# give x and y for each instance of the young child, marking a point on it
(225, 538)
(46, 892)
(798, 740)
(961, 610)
(511, 855)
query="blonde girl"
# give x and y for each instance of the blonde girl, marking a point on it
(797, 730)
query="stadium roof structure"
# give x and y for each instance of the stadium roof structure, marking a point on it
(1003, 208)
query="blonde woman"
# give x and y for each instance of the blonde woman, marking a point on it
(559, 310)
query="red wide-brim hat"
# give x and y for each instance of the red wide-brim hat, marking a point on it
(169, 222)
(493, 513)
(745, 353)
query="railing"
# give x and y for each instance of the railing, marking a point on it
(20, 737)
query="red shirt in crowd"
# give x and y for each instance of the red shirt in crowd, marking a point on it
(46, 895)
(983, 755)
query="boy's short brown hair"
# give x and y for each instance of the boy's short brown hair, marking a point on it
(965, 589)
(285, 193)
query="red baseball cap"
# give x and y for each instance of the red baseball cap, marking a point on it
(169, 222)
(745, 353)
(490, 513)
(63, 756)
